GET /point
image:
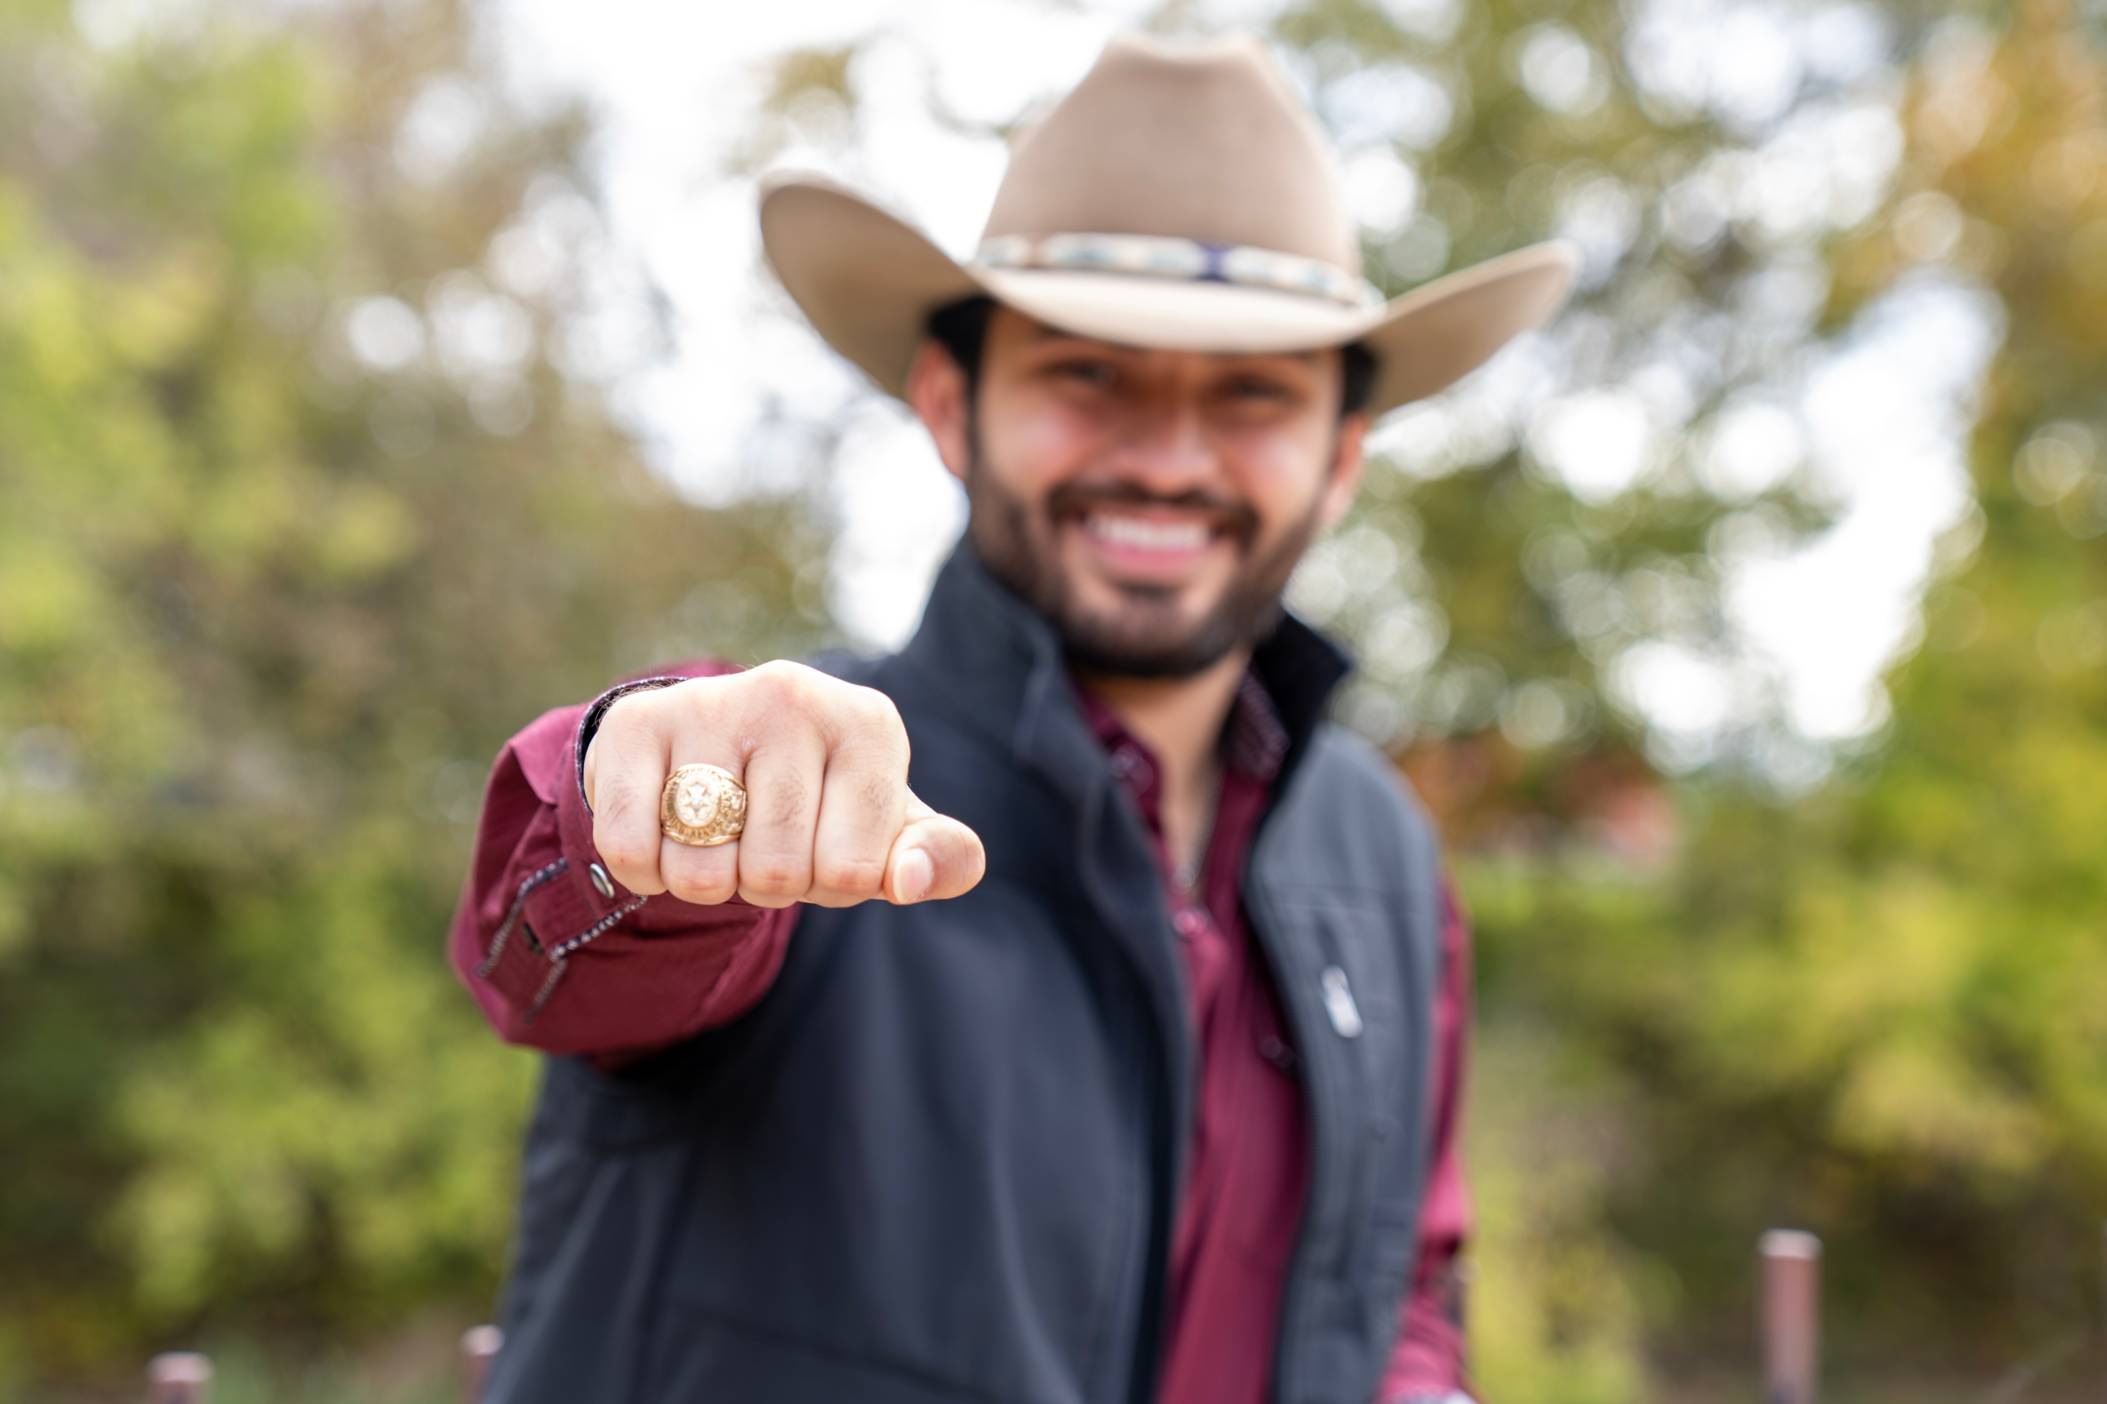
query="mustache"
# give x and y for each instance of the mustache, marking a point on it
(1076, 499)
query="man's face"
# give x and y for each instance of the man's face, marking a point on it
(1150, 503)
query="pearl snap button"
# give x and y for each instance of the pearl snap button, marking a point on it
(602, 883)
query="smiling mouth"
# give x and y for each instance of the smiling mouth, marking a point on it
(1148, 534)
(1144, 549)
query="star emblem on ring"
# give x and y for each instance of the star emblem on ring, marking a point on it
(702, 806)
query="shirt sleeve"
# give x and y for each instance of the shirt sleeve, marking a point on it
(1427, 1361)
(561, 957)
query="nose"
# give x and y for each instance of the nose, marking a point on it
(1164, 446)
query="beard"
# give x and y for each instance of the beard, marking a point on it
(1147, 635)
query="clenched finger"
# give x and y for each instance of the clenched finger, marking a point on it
(860, 812)
(783, 781)
(934, 857)
(629, 767)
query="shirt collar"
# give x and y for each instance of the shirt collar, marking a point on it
(1253, 741)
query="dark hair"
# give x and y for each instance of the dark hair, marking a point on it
(961, 328)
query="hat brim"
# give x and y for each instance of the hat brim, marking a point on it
(867, 280)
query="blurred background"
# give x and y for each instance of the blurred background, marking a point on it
(374, 376)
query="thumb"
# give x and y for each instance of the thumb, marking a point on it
(933, 857)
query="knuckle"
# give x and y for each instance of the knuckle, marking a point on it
(774, 875)
(852, 875)
(636, 879)
(877, 761)
(623, 853)
(707, 888)
(697, 876)
(881, 715)
(783, 706)
(780, 680)
(674, 695)
(858, 719)
(785, 798)
(626, 714)
(691, 706)
(880, 790)
(617, 811)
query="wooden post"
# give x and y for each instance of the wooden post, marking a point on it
(479, 1346)
(178, 1377)
(1792, 1276)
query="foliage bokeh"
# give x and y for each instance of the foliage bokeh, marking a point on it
(308, 505)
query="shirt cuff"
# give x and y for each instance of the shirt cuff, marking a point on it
(589, 724)
(575, 900)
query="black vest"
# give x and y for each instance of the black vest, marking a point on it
(940, 1159)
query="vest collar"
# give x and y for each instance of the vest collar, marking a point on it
(983, 645)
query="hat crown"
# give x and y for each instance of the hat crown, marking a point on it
(1207, 142)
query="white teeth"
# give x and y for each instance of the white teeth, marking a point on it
(1151, 536)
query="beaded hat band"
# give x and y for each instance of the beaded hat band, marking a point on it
(1188, 260)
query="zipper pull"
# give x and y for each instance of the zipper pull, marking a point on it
(1338, 1002)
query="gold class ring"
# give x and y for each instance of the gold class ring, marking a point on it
(702, 806)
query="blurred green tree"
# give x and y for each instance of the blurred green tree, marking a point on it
(1876, 1010)
(310, 494)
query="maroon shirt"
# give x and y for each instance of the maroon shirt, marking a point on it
(561, 958)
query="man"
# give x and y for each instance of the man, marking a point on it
(1105, 1042)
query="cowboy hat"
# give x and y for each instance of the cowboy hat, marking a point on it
(1179, 197)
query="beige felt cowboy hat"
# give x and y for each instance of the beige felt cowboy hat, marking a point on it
(1179, 197)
